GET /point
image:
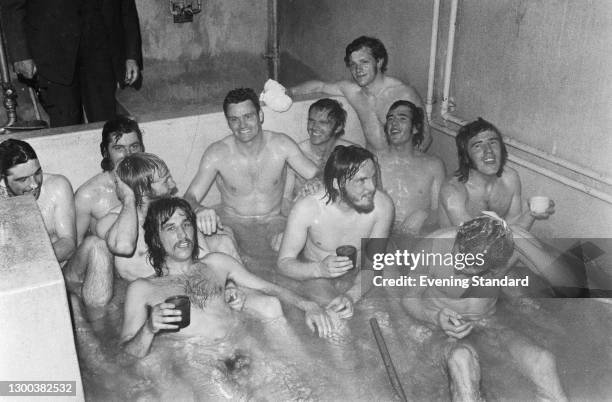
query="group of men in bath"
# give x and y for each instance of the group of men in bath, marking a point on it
(127, 220)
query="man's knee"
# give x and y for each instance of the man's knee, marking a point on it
(462, 358)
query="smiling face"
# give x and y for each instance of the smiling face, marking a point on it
(484, 150)
(399, 128)
(177, 237)
(121, 147)
(358, 192)
(363, 66)
(25, 178)
(320, 127)
(244, 120)
(162, 186)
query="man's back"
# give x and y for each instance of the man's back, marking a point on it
(56, 205)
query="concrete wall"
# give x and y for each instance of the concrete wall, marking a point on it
(222, 26)
(536, 69)
(36, 341)
(179, 141)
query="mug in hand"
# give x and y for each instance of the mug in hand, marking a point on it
(348, 251)
(539, 204)
(181, 303)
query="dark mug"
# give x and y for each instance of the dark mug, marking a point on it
(348, 251)
(180, 303)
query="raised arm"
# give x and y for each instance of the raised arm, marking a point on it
(314, 86)
(82, 205)
(315, 315)
(63, 219)
(121, 230)
(297, 160)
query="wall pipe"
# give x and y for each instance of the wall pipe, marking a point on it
(541, 170)
(273, 52)
(433, 47)
(448, 116)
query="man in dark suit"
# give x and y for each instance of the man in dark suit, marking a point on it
(74, 47)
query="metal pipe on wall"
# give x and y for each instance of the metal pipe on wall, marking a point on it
(448, 116)
(433, 47)
(272, 52)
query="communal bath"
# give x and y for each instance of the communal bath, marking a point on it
(344, 368)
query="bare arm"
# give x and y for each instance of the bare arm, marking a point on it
(205, 176)
(82, 204)
(136, 336)
(64, 220)
(453, 198)
(314, 86)
(298, 161)
(515, 214)
(294, 240)
(121, 231)
(436, 185)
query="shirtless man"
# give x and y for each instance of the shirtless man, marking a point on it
(21, 174)
(347, 210)
(325, 126)
(249, 166)
(119, 240)
(172, 242)
(121, 136)
(411, 178)
(458, 310)
(483, 182)
(371, 92)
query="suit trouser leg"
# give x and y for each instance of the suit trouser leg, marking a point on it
(61, 102)
(97, 81)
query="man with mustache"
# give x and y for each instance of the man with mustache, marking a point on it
(140, 178)
(21, 174)
(483, 182)
(371, 92)
(348, 209)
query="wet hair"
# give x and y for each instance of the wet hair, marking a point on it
(376, 47)
(112, 131)
(138, 171)
(417, 120)
(343, 164)
(488, 236)
(14, 152)
(334, 110)
(240, 95)
(464, 135)
(159, 212)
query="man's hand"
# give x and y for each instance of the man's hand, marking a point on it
(234, 297)
(208, 220)
(333, 266)
(161, 315)
(452, 323)
(544, 215)
(131, 71)
(317, 319)
(27, 68)
(124, 192)
(341, 305)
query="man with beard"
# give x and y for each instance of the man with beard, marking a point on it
(348, 209)
(371, 92)
(21, 174)
(411, 178)
(483, 182)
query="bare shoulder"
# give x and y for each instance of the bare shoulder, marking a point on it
(308, 208)
(348, 88)
(401, 90)
(452, 188)
(219, 150)
(139, 288)
(511, 176)
(434, 164)
(57, 184)
(280, 141)
(383, 202)
(92, 187)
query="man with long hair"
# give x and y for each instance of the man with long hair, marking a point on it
(483, 182)
(346, 210)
